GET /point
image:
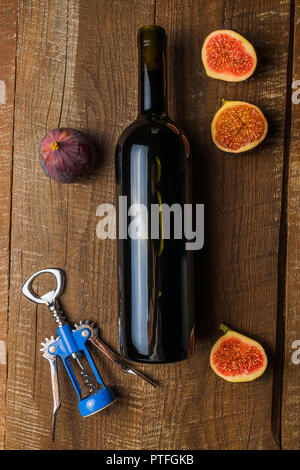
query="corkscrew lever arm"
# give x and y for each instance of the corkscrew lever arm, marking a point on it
(55, 390)
(47, 347)
(55, 393)
(120, 363)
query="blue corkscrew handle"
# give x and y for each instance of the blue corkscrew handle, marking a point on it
(72, 344)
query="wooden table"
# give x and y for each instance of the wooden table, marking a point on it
(74, 63)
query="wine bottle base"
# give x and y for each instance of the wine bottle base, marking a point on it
(145, 360)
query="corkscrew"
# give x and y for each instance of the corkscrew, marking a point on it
(71, 347)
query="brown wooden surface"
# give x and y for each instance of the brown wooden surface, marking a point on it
(77, 67)
(8, 29)
(291, 389)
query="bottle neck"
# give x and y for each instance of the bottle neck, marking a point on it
(152, 71)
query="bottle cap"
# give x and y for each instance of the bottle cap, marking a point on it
(152, 34)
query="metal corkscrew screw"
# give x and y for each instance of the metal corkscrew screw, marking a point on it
(70, 345)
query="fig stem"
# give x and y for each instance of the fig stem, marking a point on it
(224, 328)
(55, 145)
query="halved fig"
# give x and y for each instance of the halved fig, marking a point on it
(238, 126)
(228, 56)
(237, 358)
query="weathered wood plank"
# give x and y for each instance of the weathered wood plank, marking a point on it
(8, 28)
(291, 379)
(77, 67)
(237, 271)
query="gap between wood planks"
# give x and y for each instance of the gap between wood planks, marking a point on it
(282, 255)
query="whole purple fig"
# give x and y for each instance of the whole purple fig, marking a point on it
(66, 155)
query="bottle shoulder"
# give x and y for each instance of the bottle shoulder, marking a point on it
(147, 130)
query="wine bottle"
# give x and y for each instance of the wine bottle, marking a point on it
(154, 270)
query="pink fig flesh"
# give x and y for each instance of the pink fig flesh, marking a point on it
(227, 55)
(237, 358)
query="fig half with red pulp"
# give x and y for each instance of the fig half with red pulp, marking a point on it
(238, 126)
(228, 56)
(237, 358)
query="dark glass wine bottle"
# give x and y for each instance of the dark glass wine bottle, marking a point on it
(154, 272)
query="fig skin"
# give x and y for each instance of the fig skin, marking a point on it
(228, 333)
(66, 155)
(231, 104)
(226, 75)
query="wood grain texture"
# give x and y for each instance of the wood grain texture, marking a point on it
(237, 271)
(77, 67)
(8, 28)
(291, 382)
